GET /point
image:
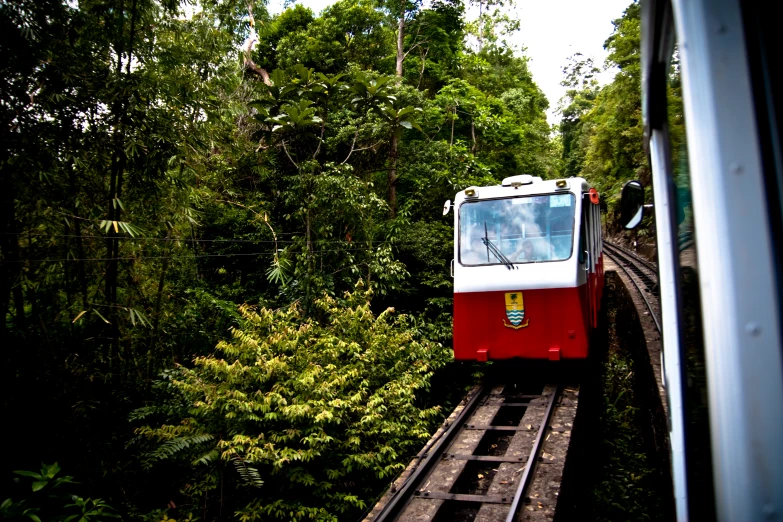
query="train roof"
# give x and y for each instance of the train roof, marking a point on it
(525, 184)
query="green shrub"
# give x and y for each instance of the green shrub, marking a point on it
(312, 415)
(49, 499)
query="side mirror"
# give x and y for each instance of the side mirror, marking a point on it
(632, 204)
(446, 207)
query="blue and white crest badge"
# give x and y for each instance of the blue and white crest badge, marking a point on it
(515, 311)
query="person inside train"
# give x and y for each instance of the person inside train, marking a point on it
(526, 253)
(476, 254)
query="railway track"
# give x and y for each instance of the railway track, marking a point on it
(642, 273)
(481, 467)
(487, 464)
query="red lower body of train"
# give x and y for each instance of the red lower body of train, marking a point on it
(555, 324)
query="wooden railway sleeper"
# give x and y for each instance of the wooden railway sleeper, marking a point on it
(489, 427)
(512, 396)
(464, 497)
(483, 458)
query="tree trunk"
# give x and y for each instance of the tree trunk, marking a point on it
(395, 139)
(113, 240)
(423, 55)
(6, 277)
(73, 195)
(481, 26)
(115, 179)
(10, 267)
(453, 119)
(19, 304)
(400, 39)
(67, 268)
(79, 245)
(307, 234)
(158, 301)
(393, 155)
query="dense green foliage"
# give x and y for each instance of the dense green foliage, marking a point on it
(197, 203)
(602, 126)
(312, 413)
(176, 177)
(47, 495)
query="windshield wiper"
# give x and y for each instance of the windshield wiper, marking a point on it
(491, 247)
(497, 253)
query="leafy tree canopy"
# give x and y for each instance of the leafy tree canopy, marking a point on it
(180, 176)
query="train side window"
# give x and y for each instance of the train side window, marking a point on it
(597, 228)
(696, 408)
(583, 231)
(762, 32)
(593, 237)
(718, 192)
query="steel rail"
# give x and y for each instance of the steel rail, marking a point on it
(430, 457)
(532, 460)
(647, 272)
(615, 257)
(625, 263)
(649, 264)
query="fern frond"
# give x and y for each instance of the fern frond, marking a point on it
(207, 458)
(170, 448)
(250, 475)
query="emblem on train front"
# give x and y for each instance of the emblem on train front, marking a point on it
(515, 311)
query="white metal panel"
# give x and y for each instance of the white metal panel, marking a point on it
(739, 305)
(527, 276)
(530, 276)
(575, 186)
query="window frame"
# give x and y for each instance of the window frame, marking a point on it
(574, 201)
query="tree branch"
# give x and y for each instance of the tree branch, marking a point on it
(453, 118)
(265, 218)
(373, 147)
(260, 71)
(356, 135)
(289, 156)
(323, 129)
(414, 46)
(423, 63)
(434, 134)
(249, 63)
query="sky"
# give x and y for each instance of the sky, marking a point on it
(574, 26)
(551, 30)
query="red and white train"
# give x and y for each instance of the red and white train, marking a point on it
(528, 269)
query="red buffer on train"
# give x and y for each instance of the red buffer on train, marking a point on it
(528, 269)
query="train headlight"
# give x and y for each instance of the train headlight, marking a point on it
(471, 193)
(561, 184)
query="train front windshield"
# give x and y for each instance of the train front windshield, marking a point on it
(525, 229)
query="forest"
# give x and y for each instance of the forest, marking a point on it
(224, 270)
